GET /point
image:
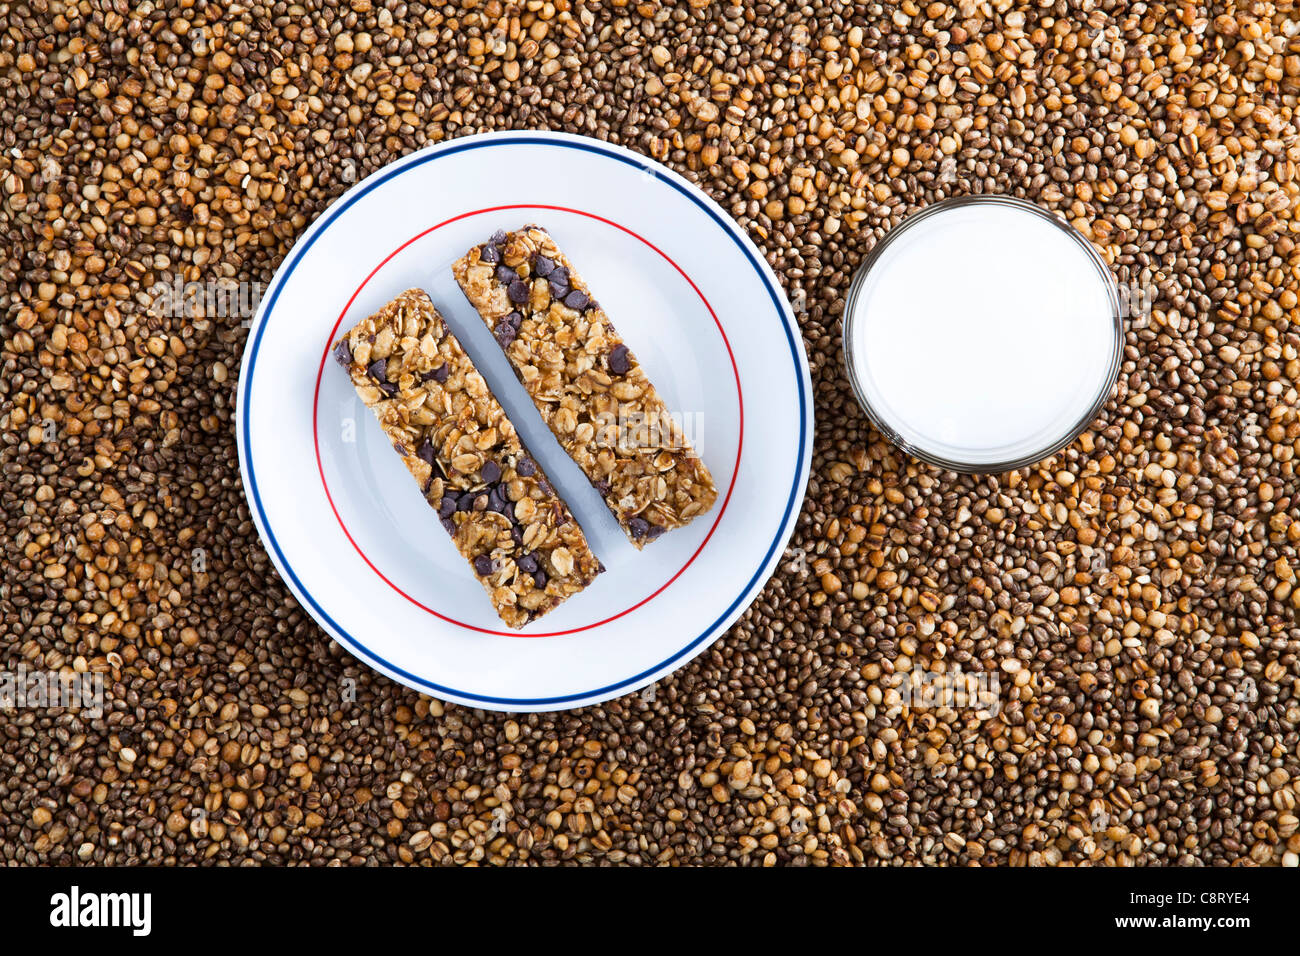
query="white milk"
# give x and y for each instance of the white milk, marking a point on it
(983, 334)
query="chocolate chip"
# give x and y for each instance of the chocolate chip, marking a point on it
(378, 370)
(600, 566)
(655, 531)
(388, 388)
(559, 287)
(528, 563)
(399, 448)
(603, 486)
(618, 360)
(507, 330)
(577, 300)
(505, 335)
(498, 238)
(506, 274)
(447, 507)
(449, 525)
(438, 374)
(343, 352)
(498, 502)
(483, 565)
(539, 579)
(518, 292)
(491, 472)
(525, 467)
(517, 535)
(466, 503)
(426, 452)
(543, 266)
(490, 254)
(638, 527)
(428, 483)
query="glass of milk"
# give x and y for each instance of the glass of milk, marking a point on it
(983, 334)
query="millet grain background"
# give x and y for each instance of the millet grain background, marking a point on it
(1134, 594)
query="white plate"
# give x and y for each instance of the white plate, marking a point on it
(347, 527)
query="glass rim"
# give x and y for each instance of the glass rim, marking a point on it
(1049, 449)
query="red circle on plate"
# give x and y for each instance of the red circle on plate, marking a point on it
(316, 408)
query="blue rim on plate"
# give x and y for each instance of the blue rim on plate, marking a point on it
(264, 317)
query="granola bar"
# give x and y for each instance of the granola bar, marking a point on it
(494, 500)
(586, 383)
